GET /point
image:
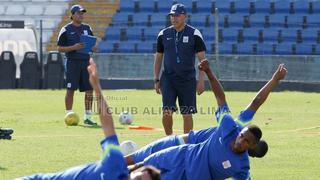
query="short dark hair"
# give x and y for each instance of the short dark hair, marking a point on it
(256, 131)
(259, 150)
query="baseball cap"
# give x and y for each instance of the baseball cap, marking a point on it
(178, 9)
(77, 8)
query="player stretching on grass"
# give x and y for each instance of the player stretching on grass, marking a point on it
(224, 153)
(112, 166)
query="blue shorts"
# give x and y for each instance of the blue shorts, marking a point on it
(170, 161)
(77, 75)
(184, 90)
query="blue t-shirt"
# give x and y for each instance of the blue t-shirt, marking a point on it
(111, 167)
(179, 50)
(211, 159)
(70, 35)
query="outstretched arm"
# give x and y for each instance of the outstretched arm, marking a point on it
(266, 89)
(104, 110)
(214, 83)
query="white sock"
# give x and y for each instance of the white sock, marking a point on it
(87, 114)
(68, 111)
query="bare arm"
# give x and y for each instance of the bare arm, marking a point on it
(200, 87)
(214, 83)
(264, 92)
(105, 112)
(156, 70)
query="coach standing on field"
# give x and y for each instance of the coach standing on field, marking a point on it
(77, 63)
(177, 46)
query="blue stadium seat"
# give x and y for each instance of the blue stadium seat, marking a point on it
(304, 49)
(146, 6)
(301, 6)
(313, 20)
(225, 48)
(199, 20)
(134, 33)
(208, 34)
(127, 47)
(289, 35)
(270, 35)
(151, 34)
(146, 47)
(105, 47)
(310, 35)
(266, 49)
(140, 19)
(120, 19)
(112, 33)
(257, 20)
(223, 6)
(235, 20)
(205, 6)
(282, 6)
(277, 20)
(164, 6)
(262, 6)
(242, 6)
(212, 20)
(295, 21)
(126, 6)
(230, 35)
(210, 47)
(244, 48)
(159, 19)
(317, 49)
(251, 35)
(316, 6)
(284, 49)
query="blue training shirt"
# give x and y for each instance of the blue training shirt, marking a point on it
(111, 167)
(70, 35)
(179, 50)
(211, 159)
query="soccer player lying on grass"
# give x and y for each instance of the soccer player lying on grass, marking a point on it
(112, 166)
(224, 154)
(193, 137)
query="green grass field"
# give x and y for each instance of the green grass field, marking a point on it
(42, 142)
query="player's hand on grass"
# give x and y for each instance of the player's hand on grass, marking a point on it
(204, 66)
(78, 46)
(93, 74)
(280, 73)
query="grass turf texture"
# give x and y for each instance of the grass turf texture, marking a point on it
(43, 143)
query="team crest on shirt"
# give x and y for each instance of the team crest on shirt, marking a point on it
(226, 164)
(85, 32)
(185, 39)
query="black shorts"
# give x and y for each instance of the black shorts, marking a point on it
(77, 76)
(184, 90)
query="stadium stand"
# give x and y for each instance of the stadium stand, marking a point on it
(54, 71)
(32, 11)
(30, 71)
(265, 26)
(7, 70)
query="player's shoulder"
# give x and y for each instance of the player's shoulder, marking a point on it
(67, 26)
(165, 30)
(194, 31)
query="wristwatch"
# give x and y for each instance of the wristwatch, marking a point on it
(156, 80)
